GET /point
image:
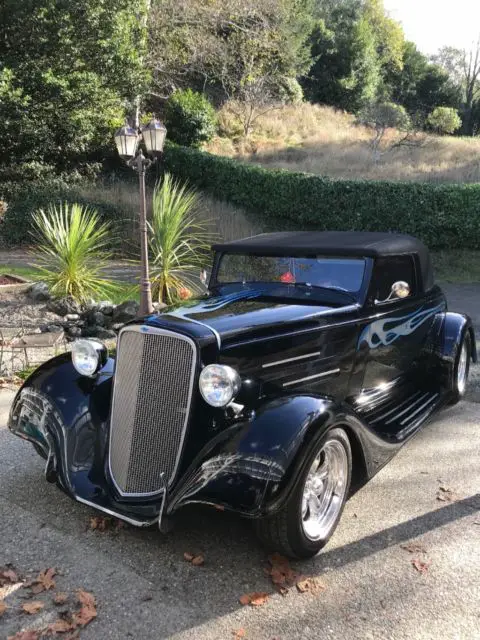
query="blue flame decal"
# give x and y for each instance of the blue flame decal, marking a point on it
(385, 332)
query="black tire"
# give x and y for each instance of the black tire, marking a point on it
(284, 531)
(457, 391)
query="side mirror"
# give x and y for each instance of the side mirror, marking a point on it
(204, 277)
(399, 289)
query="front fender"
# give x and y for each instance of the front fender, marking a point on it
(254, 465)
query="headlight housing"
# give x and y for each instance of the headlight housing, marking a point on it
(88, 356)
(219, 384)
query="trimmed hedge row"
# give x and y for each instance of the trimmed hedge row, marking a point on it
(23, 199)
(443, 216)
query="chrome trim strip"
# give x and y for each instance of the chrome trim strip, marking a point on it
(147, 329)
(425, 404)
(317, 375)
(411, 406)
(274, 364)
(397, 408)
(136, 523)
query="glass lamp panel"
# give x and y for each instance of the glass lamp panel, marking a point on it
(126, 140)
(154, 136)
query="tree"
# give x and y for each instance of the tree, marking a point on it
(464, 68)
(68, 73)
(346, 71)
(221, 46)
(387, 115)
(444, 120)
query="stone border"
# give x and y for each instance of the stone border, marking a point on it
(22, 285)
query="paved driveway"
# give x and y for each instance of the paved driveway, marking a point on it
(145, 589)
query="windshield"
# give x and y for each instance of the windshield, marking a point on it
(341, 274)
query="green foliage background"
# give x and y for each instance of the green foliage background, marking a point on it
(443, 216)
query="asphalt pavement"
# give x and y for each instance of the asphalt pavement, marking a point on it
(145, 589)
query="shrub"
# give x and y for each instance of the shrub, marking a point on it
(180, 240)
(444, 120)
(443, 216)
(190, 118)
(73, 248)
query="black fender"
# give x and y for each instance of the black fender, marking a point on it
(254, 465)
(447, 335)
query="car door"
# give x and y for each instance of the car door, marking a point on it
(394, 330)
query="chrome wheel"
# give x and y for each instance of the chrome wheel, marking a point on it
(462, 369)
(324, 490)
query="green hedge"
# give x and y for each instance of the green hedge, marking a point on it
(443, 216)
(25, 198)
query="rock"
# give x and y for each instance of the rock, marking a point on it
(54, 328)
(63, 306)
(72, 317)
(158, 306)
(98, 332)
(39, 292)
(117, 326)
(96, 318)
(74, 332)
(126, 311)
(106, 307)
(107, 322)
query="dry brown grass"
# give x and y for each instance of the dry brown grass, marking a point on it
(227, 222)
(323, 141)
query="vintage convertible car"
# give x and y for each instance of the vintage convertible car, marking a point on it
(310, 361)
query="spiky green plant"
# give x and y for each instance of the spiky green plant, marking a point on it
(179, 240)
(73, 246)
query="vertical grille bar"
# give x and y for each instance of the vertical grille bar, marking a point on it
(154, 377)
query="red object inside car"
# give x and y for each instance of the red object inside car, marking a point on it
(287, 277)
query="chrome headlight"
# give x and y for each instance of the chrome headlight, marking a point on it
(88, 356)
(219, 384)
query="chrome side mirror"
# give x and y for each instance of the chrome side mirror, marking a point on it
(399, 290)
(204, 277)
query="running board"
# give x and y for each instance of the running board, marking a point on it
(401, 417)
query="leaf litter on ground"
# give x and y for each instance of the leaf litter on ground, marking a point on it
(413, 547)
(255, 599)
(420, 565)
(43, 582)
(32, 607)
(196, 559)
(283, 577)
(445, 494)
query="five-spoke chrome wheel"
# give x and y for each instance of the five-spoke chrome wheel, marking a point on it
(324, 490)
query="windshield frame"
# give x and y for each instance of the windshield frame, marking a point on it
(359, 296)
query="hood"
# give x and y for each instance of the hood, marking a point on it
(250, 314)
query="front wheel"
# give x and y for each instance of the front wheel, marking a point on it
(309, 518)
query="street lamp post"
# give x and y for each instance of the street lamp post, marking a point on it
(128, 141)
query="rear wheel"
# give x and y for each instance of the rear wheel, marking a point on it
(461, 368)
(309, 518)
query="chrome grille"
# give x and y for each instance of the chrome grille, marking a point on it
(154, 376)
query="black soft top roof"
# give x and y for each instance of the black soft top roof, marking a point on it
(367, 244)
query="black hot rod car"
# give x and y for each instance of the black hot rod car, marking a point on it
(311, 359)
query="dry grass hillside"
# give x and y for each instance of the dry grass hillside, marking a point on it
(323, 141)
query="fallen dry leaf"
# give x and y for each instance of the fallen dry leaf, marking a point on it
(60, 598)
(239, 633)
(60, 626)
(44, 581)
(188, 556)
(310, 585)
(8, 575)
(104, 523)
(413, 547)
(281, 574)
(29, 634)
(444, 494)
(198, 561)
(88, 609)
(420, 566)
(3, 608)
(33, 607)
(255, 599)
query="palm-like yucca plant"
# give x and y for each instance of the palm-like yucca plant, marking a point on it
(73, 248)
(179, 240)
